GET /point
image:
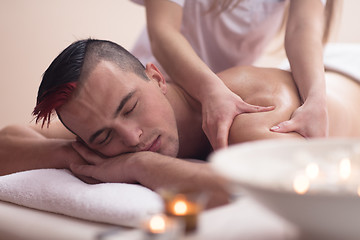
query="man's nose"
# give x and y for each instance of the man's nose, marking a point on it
(129, 134)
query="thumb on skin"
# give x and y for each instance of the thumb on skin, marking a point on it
(284, 127)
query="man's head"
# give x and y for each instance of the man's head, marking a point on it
(73, 64)
(107, 98)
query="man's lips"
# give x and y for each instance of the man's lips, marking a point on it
(155, 145)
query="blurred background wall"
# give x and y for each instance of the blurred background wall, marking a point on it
(33, 32)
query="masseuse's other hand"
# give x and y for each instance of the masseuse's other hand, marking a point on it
(114, 169)
(310, 120)
(218, 113)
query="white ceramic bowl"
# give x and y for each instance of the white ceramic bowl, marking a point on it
(312, 183)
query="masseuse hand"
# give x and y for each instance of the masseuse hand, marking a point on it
(310, 120)
(112, 169)
(219, 111)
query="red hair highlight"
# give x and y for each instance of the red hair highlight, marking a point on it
(52, 100)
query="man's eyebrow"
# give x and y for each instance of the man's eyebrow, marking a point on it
(123, 102)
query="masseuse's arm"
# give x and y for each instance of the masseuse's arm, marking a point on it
(184, 66)
(303, 44)
(30, 147)
(154, 171)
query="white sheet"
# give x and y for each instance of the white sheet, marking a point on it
(59, 191)
(343, 58)
(340, 57)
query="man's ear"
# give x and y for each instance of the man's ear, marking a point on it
(154, 74)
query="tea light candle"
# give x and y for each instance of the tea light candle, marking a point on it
(185, 208)
(157, 224)
(162, 227)
(345, 168)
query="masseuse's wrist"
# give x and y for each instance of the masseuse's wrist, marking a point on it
(211, 91)
(318, 98)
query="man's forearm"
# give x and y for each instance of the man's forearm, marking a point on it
(158, 171)
(154, 171)
(21, 148)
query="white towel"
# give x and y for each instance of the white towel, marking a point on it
(59, 191)
(343, 58)
(339, 57)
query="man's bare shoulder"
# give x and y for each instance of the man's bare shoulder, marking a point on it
(253, 84)
(55, 130)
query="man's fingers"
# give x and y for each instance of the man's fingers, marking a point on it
(88, 180)
(83, 170)
(83, 173)
(86, 153)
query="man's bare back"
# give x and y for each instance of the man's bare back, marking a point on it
(265, 86)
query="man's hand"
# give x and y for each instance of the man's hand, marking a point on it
(114, 169)
(73, 158)
(309, 120)
(152, 170)
(219, 112)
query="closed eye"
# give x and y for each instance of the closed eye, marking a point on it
(132, 109)
(105, 139)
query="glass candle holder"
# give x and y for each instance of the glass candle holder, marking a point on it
(162, 227)
(184, 206)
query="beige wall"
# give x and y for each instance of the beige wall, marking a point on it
(349, 29)
(33, 32)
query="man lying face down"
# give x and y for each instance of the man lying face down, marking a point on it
(133, 127)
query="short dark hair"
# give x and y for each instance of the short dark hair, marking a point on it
(77, 60)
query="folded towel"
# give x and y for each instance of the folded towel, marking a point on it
(59, 191)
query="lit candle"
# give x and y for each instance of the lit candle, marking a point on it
(312, 170)
(345, 168)
(157, 224)
(162, 227)
(183, 206)
(301, 184)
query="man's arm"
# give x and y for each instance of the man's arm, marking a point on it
(25, 148)
(154, 171)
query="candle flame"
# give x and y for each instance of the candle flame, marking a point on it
(312, 170)
(345, 168)
(180, 207)
(358, 190)
(157, 224)
(301, 184)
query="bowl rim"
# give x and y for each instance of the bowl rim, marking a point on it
(215, 162)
